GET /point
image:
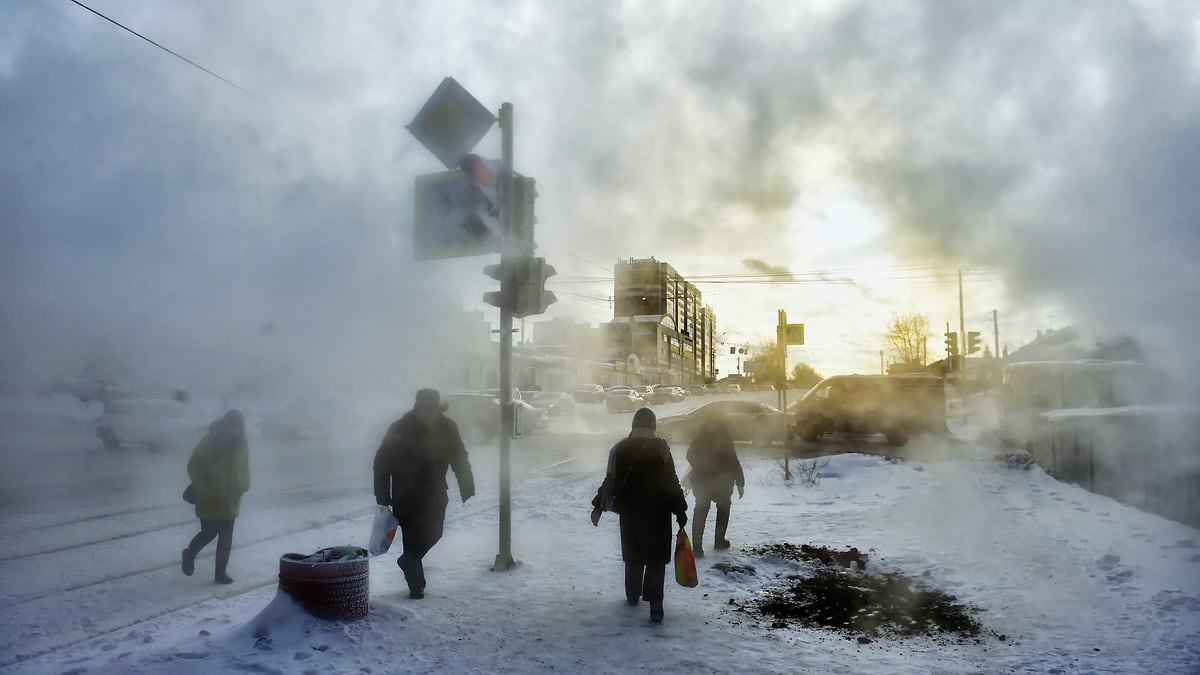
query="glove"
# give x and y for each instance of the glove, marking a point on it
(681, 519)
(741, 491)
(596, 517)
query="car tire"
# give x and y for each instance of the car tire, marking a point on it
(108, 437)
(810, 433)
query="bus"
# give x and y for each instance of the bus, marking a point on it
(1032, 388)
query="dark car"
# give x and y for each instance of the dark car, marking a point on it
(588, 393)
(622, 399)
(555, 403)
(751, 421)
(893, 405)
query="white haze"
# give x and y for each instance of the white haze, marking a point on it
(160, 221)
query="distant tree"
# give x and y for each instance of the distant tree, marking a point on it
(767, 352)
(804, 376)
(907, 334)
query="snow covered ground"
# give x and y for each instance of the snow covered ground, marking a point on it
(90, 581)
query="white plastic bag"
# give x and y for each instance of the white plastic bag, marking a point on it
(383, 531)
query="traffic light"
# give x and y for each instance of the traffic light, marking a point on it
(530, 278)
(495, 298)
(524, 195)
(952, 343)
(454, 217)
(972, 341)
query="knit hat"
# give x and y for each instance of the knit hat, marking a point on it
(645, 419)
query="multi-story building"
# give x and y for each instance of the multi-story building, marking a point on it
(661, 331)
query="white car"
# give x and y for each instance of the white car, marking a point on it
(156, 423)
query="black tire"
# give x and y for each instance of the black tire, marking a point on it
(108, 437)
(330, 590)
(810, 433)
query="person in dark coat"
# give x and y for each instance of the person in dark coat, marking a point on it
(410, 477)
(642, 488)
(220, 472)
(715, 471)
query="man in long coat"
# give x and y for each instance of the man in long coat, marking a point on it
(642, 487)
(410, 477)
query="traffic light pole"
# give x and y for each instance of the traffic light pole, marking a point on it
(504, 559)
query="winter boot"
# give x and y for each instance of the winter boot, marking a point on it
(189, 562)
(222, 578)
(720, 542)
(698, 534)
(656, 612)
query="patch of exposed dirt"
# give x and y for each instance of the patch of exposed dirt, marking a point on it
(839, 594)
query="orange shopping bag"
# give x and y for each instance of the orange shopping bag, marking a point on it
(685, 561)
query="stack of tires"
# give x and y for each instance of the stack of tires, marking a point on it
(332, 583)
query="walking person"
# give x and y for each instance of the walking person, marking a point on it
(715, 471)
(410, 477)
(641, 486)
(220, 472)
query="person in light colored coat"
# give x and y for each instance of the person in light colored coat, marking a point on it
(219, 469)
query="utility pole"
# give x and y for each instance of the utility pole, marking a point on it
(962, 326)
(996, 332)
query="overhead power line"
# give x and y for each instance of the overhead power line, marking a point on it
(165, 49)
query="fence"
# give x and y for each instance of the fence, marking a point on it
(1147, 457)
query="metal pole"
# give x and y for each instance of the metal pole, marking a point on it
(504, 559)
(781, 338)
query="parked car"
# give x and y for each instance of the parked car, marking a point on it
(588, 393)
(477, 415)
(555, 403)
(664, 393)
(697, 389)
(622, 399)
(757, 423)
(157, 423)
(893, 405)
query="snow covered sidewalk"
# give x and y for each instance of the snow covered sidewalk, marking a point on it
(1074, 582)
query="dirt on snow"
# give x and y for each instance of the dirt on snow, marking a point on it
(837, 592)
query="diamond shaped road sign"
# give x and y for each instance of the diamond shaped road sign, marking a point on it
(451, 122)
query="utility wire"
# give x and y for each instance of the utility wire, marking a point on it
(172, 53)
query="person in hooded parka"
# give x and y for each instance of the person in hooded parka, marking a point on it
(715, 470)
(641, 486)
(220, 472)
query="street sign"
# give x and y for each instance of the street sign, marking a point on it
(795, 334)
(451, 123)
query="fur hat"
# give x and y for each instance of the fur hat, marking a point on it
(429, 399)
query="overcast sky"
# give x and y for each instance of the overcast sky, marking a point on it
(151, 211)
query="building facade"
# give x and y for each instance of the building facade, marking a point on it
(661, 332)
